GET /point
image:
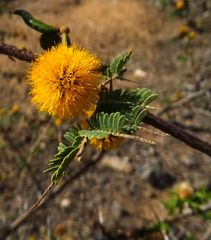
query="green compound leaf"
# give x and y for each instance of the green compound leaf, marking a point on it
(133, 104)
(34, 23)
(135, 117)
(106, 71)
(117, 66)
(146, 96)
(104, 124)
(124, 101)
(113, 122)
(118, 63)
(99, 134)
(65, 155)
(72, 136)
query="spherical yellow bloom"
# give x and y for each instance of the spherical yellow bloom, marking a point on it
(64, 81)
(107, 143)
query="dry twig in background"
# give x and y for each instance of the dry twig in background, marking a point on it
(44, 199)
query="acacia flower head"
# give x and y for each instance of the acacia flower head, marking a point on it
(64, 81)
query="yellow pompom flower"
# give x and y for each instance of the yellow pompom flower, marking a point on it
(64, 81)
(107, 143)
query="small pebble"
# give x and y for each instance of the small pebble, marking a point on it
(139, 73)
(65, 203)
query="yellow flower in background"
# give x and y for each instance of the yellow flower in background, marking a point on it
(15, 108)
(2, 111)
(185, 190)
(88, 113)
(58, 122)
(180, 4)
(107, 143)
(191, 35)
(64, 81)
(183, 30)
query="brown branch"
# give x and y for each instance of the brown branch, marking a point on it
(178, 133)
(156, 122)
(44, 199)
(173, 130)
(21, 54)
(7, 230)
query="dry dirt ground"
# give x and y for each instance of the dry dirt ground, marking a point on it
(28, 139)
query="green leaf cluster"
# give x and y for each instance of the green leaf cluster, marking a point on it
(117, 66)
(103, 124)
(195, 202)
(65, 155)
(159, 226)
(118, 112)
(133, 104)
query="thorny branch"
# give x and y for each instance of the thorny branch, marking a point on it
(151, 119)
(175, 131)
(33, 209)
(21, 54)
(178, 133)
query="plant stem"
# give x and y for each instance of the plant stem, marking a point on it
(150, 119)
(178, 133)
(21, 54)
